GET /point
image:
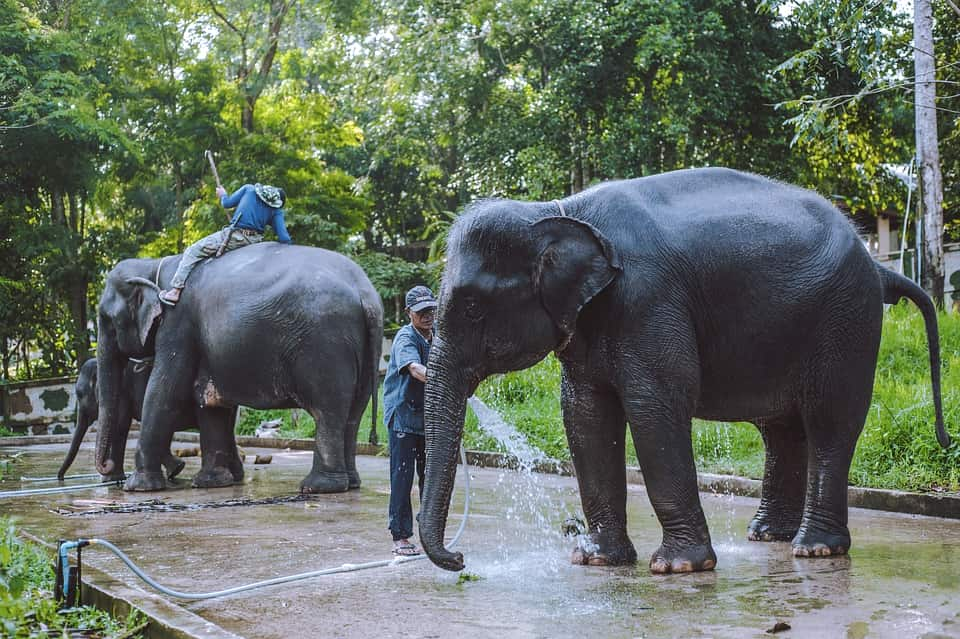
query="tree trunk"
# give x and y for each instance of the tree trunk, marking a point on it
(928, 153)
(57, 213)
(246, 118)
(178, 202)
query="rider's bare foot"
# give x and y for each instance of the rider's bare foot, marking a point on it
(170, 296)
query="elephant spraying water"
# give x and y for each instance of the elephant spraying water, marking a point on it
(703, 293)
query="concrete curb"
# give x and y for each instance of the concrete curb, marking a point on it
(165, 619)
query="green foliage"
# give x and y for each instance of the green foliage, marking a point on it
(27, 607)
(393, 277)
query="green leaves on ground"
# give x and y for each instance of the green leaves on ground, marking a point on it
(27, 607)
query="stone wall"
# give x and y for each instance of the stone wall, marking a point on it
(39, 407)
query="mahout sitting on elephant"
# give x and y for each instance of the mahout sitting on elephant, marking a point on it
(705, 293)
(132, 387)
(271, 326)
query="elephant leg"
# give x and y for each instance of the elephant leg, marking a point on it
(160, 415)
(784, 480)
(118, 445)
(220, 463)
(834, 409)
(329, 473)
(831, 441)
(596, 431)
(350, 436)
(662, 437)
(155, 440)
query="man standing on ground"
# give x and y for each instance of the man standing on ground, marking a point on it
(403, 413)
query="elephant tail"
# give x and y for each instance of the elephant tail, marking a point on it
(895, 288)
(373, 314)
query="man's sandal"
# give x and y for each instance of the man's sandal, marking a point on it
(406, 550)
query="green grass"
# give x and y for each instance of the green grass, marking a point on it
(27, 607)
(898, 447)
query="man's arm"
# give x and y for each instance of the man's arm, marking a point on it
(280, 227)
(418, 371)
(231, 201)
(407, 357)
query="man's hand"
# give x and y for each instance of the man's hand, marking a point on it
(221, 191)
(418, 371)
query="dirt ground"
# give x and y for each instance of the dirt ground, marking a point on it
(900, 580)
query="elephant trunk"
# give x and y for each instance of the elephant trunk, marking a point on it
(445, 408)
(84, 419)
(110, 365)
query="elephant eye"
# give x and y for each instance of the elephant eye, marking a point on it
(472, 310)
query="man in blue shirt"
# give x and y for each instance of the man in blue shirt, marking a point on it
(257, 206)
(403, 412)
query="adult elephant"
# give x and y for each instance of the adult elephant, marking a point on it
(267, 326)
(132, 388)
(700, 293)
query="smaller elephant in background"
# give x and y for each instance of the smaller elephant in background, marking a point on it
(134, 383)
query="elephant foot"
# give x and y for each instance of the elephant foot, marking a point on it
(765, 530)
(593, 552)
(145, 481)
(353, 479)
(325, 483)
(819, 543)
(216, 477)
(688, 559)
(174, 466)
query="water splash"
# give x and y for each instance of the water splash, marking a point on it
(509, 437)
(530, 542)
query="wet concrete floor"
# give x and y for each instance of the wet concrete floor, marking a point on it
(901, 579)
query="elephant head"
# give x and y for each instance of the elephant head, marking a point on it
(516, 277)
(128, 311)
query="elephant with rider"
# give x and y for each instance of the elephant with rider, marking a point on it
(270, 326)
(705, 293)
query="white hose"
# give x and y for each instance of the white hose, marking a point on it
(289, 578)
(58, 489)
(66, 478)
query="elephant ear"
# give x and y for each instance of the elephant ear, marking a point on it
(146, 307)
(575, 262)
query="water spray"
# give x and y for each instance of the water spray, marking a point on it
(68, 577)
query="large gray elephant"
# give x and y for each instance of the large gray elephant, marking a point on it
(701, 293)
(132, 388)
(266, 326)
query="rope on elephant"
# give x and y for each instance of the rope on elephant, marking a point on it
(161, 506)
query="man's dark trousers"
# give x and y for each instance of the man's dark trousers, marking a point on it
(407, 453)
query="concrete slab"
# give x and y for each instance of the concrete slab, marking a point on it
(900, 579)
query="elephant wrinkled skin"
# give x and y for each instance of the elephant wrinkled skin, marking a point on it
(703, 293)
(266, 326)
